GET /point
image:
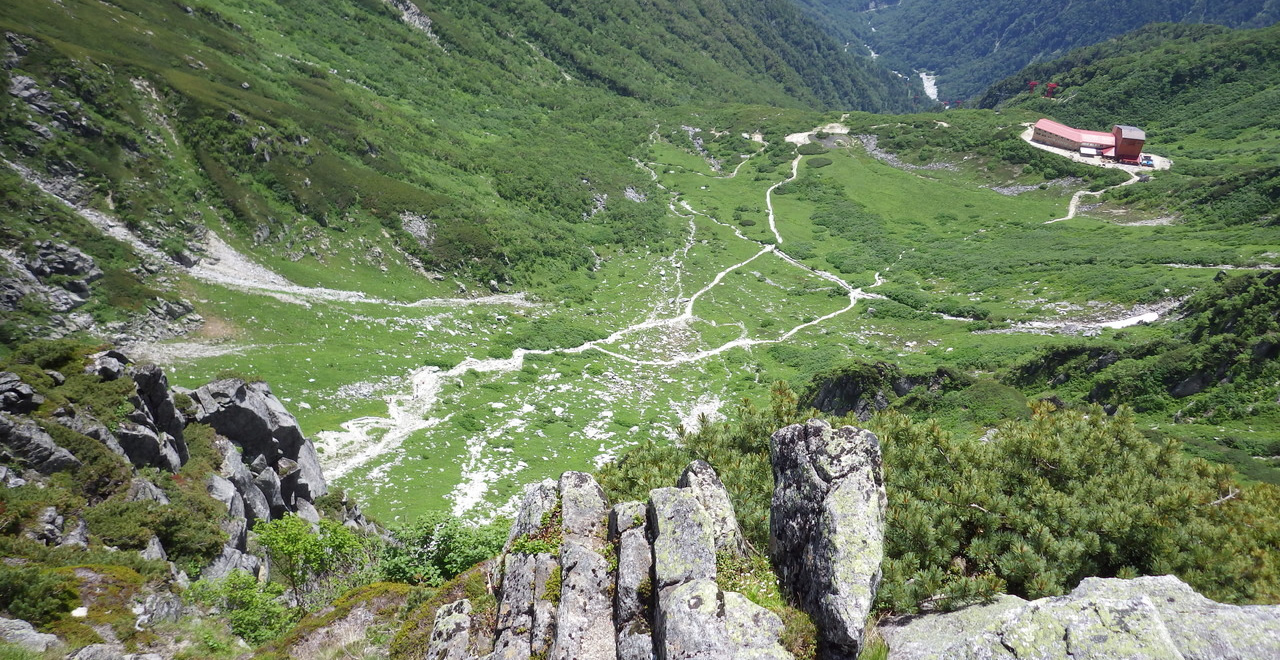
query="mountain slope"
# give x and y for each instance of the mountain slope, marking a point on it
(1206, 96)
(318, 128)
(971, 44)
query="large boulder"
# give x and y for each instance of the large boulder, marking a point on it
(24, 635)
(827, 527)
(17, 396)
(702, 480)
(694, 619)
(584, 620)
(23, 441)
(1146, 618)
(684, 546)
(249, 415)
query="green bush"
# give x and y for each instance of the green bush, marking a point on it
(818, 162)
(811, 149)
(36, 595)
(437, 548)
(313, 562)
(253, 608)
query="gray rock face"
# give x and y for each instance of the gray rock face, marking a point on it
(702, 479)
(539, 499)
(144, 447)
(827, 527)
(231, 560)
(252, 417)
(24, 442)
(84, 424)
(694, 619)
(451, 634)
(17, 396)
(23, 634)
(632, 607)
(47, 527)
(107, 365)
(141, 490)
(75, 534)
(157, 398)
(1142, 619)
(658, 600)
(683, 543)
(584, 622)
(584, 508)
(526, 617)
(154, 550)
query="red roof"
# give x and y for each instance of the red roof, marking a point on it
(1075, 134)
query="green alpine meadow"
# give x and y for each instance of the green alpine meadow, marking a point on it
(624, 330)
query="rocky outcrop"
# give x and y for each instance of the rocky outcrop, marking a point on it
(827, 527)
(635, 581)
(1145, 618)
(700, 479)
(22, 441)
(251, 417)
(16, 396)
(24, 635)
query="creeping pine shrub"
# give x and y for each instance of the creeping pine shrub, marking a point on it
(35, 595)
(253, 608)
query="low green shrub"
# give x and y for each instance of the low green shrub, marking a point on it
(35, 594)
(252, 607)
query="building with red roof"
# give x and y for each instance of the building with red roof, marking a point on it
(1122, 143)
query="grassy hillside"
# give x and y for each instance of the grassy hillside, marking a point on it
(1205, 96)
(306, 126)
(970, 44)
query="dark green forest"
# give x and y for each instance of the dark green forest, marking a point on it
(971, 44)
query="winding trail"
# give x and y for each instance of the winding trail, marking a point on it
(1075, 199)
(768, 198)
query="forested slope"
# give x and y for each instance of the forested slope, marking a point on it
(971, 44)
(313, 128)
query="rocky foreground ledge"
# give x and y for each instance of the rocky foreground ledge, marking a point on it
(580, 579)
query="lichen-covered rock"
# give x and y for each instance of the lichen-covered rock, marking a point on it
(584, 510)
(1142, 619)
(452, 632)
(827, 527)
(702, 479)
(22, 441)
(698, 621)
(584, 620)
(633, 598)
(538, 501)
(1200, 628)
(526, 621)
(684, 546)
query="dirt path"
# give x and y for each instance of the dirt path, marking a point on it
(1075, 199)
(768, 198)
